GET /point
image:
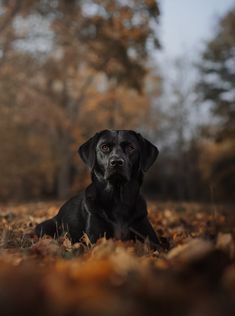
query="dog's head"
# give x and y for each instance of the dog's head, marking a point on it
(118, 155)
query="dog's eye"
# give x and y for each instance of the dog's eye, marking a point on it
(105, 147)
(130, 147)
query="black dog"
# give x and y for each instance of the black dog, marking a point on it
(111, 205)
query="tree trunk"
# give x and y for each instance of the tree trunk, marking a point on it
(64, 175)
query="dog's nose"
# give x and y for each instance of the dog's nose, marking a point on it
(116, 162)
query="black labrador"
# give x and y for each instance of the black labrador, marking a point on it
(111, 205)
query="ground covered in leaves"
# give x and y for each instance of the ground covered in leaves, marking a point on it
(193, 275)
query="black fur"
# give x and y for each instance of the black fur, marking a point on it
(111, 205)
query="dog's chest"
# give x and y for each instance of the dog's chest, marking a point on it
(119, 222)
(114, 217)
(120, 230)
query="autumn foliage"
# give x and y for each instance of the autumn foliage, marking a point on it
(71, 68)
(193, 274)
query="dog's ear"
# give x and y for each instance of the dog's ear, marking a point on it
(148, 153)
(87, 151)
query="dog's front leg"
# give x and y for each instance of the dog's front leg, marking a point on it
(96, 228)
(143, 230)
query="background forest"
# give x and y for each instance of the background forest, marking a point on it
(71, 68)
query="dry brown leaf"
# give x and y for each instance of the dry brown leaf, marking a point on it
(225, 242)
(46, 247)
(191, 250)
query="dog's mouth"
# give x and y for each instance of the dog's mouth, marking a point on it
(117, 175)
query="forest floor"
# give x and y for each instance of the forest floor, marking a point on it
(193, 275)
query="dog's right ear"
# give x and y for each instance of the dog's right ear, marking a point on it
(87, 151)
(149, 152)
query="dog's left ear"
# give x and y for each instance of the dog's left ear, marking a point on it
(87, 151)
(149, 153)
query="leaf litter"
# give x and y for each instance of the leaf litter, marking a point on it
(193, 273)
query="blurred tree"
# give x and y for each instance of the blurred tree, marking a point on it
(176, 175)
(93, 53)
(109, 37)
(119, 37)
(217, 86)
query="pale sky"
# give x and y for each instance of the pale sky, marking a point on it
(186, 23)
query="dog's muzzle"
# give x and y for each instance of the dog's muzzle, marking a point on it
(117, 170)
(116, 162)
